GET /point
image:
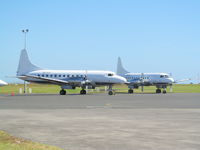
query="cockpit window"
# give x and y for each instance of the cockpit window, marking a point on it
(110, 74)
(164, 76)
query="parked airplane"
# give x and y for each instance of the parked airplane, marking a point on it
(160, 80)
(67, 79)
(2, 83)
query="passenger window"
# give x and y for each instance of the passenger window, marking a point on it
(68, 76)
(72, 76)
(42, 75)
(51, 75)
(55, 75)
(63, 75)
(38, 75)
(59, 76)
(47, 75)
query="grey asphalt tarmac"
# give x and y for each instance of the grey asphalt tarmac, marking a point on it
(98, 121)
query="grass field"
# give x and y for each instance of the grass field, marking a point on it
(8, 142)
(54, 89)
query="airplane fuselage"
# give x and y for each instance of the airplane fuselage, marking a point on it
(75, 76)
(149, 79)
(66, 79)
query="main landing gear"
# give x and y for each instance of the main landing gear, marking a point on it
(62, 92)
(159, 91)
(83, 92)
(130, 91)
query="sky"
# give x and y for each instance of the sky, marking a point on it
(149, 36)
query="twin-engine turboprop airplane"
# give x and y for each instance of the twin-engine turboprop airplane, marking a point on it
(2, 83)
(67, 79)
(160, 80)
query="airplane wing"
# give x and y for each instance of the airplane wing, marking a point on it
(61, 82)
(55, 81)
(183, 80)
(138, 81)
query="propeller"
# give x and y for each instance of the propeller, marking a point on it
(85, 79)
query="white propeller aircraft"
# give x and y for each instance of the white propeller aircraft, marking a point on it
(3, 83)
(67, 79)
(160, 80)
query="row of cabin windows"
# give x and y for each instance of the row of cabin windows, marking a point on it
(137, 77)
(59, 75)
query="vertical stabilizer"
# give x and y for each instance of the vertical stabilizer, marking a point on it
(25, 65)
(120, 68)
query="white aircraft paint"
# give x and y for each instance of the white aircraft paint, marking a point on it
(67, 79)
(135, 80)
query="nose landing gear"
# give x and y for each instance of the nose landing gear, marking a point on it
(110, 90)
(159, 91)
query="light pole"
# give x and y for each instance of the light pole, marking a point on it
(25, 31)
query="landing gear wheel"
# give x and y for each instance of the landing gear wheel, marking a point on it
(62, 92)
(83, 92)
(158, 91)
(110, 93)
(130, 91)
(164, 91)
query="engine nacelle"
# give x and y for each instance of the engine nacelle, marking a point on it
(68, 87)
(88, 87)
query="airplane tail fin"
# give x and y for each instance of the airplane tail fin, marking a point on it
(120, 68)
(25, 65)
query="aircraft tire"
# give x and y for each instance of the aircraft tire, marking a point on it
(110, 93)
(158, 91)
(62, 92)
(130, 91)
(164, 91)
(83, 92)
